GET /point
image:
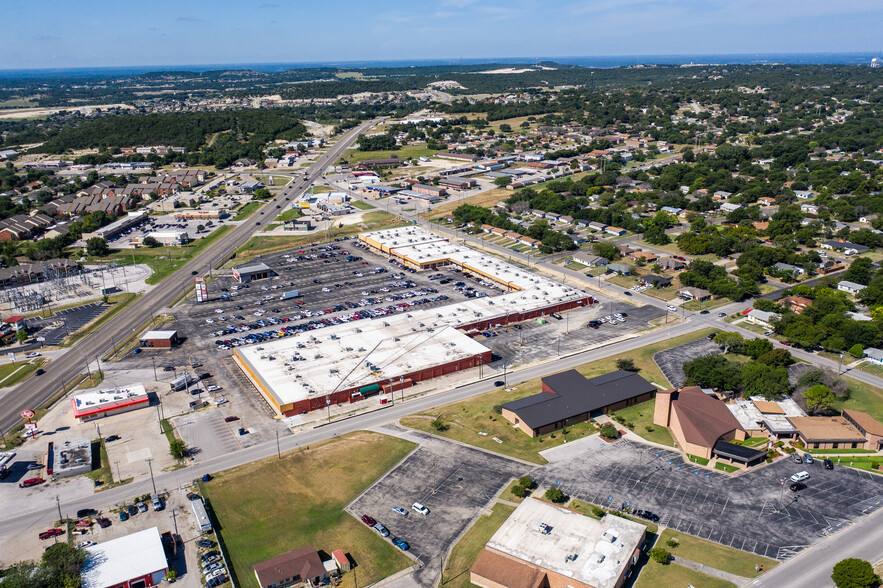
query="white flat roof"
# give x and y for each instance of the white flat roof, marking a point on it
(159, 334)
(102, 400)
(119, 560)
(545, 535)
(426, 338)
(355, 354)
(750, 417)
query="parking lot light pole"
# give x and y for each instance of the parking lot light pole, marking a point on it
(152, 481)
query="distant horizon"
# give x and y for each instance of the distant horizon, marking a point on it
(588, 61)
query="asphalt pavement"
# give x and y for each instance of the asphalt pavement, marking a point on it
(36, 391)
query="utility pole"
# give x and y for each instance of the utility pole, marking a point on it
(58, 505)
(175, 522)
(119, 477)
(152, 481)
(278, 450)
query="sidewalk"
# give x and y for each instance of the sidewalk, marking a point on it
(710, 571)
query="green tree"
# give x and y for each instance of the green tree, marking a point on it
(525, 482)
(149, 242)
(502, 181)
(519, 491)
(854, 573)
(857, 351)
(438, 424)
(21, 335)
(660, 555)
(776, 357)
(819, 398)
(771, 382)
(178, 449)
(97, 246)
(608, 431)
(555, 495)
(627, 365)
(756, 347)
(730, 341)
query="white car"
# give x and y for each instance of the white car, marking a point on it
(800, 476)
(209, 321)
(326, 289)
(222, 401)
(671, 308)
(32, 354)
(420, 508)
(219, 311)
(213, 388)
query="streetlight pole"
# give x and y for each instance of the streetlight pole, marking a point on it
(152, 481)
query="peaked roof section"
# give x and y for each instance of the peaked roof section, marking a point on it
(303, 562)
(573, 394)
(703, 418)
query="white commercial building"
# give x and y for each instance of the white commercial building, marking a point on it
(101, 403)
(136, 560)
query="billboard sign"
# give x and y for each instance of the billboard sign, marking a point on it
(201, 295)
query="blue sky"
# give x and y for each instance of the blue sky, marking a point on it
(92, 33)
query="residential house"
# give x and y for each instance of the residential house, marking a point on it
(809, 208)
(618, 268)
(797, 304)
(766, 201)
(671, 264)
(847, 247)
(804, 194)
(874, 355)
(655, 281)
(616, 231)
(694, 293)
(595, 226)
(589, 259)
(762, 317)
(850, 287)
(730, 206)
(787, 267)
(645, 255)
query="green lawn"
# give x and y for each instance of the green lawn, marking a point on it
(755, 441)
(13, 374)
(715, 555)
(507, 493)
(247, 210)
(586, 508)
(863, 397)
(707, 304)
(575, 265)
(656, 575)
(290, 215)
(468, 418)
(725, 467)
(641, 416)
(867, 463)
(406, 152)
(697, 459)
(361, 205)
(837, 451)
(466, 551)
(269, 507)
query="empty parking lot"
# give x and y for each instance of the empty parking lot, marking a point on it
(755, 511)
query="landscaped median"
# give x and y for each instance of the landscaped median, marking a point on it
(269, 507)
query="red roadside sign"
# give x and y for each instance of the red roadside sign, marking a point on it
(27, 414)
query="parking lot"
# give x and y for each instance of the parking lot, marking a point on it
(453, 481)
(64, 322)
(167, 223)
(671, 361)
(754, 512)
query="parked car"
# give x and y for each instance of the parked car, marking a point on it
(111, 438)
(400, 510)
(103, 522)
(383, 531)
(231, 419)
(35, 466)
(368, 520)
(124, 516)
(401, 544)
(31, 482)
(829, 465)
(142, 507)
(51, 533)
(213, 388)
(797, 459)
(499, 383)
(207, 543)
(86, 513)
(132, 510)
(420, 508)
(87, 544)
(808, 459)
(800, 476)
(797, 486)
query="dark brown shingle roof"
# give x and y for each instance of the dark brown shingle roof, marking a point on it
(703, 419)
(303, 563)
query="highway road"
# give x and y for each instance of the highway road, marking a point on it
(35, 391)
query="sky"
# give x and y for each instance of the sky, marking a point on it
(115, 33)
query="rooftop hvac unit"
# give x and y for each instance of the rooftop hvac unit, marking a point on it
(570, 557)
(348, 348)
(361, 349)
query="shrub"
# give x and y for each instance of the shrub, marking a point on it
(519, 491)
(608, 431)
(627, 365)
(598, 511)
(649, 429)
(498, 408)
(673, 542)
(660, 555)
(555, 495)
(854, 573)
(439, 425)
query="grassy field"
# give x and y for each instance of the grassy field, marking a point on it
(507, 493)
(715, 555)
(246, 211)
(262, 245)
(465, 552)
(486, 199)
(656, 575)
(362, 205)
(468, 418)
(863, 397)
(725, 467)
(290, 215)
(867, 463)
(269, 507)
(641, 416)
(13, 374)
(406, 152)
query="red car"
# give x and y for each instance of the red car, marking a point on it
(368, 520)
(785, 343)
(51, 533)
(31, 482)
(231, 419)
